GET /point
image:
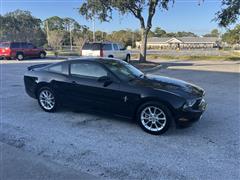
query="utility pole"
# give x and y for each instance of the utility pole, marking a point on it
(47, 31)
(70, 31)
(93, 21)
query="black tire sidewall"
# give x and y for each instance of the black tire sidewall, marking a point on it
(163, 108)
(128, 58)
(56, 102)
(18, 55)
(44, 55)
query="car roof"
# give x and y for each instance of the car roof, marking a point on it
(102, 42)
(94, 59)
(10, 42)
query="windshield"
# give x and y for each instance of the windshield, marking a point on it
(124, 71)
(91, 46)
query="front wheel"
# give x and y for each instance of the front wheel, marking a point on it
(47, 99)
(42, 55)
(20, 56)
(154, 118)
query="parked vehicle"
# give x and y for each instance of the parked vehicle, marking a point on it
(106, 49)
(114, 86)
(20, 50)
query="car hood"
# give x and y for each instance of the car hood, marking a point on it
(172, 85)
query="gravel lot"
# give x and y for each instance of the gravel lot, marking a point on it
(116, 148)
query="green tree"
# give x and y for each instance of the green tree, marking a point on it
(100, 35)
(213, 33)
(103, 10)
(229, 13)
(158, 32)
(232, 36)
(56, 38)
(126, 37)
(22, 26)
(185, 34)
(54, 23)
(67, 26)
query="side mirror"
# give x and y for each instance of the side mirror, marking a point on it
(103, 79)
(106, 80)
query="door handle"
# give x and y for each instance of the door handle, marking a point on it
(74, 82)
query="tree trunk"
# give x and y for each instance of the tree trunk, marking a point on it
(143, 49)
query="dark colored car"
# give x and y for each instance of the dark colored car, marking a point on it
(20, 50)
(114, 86)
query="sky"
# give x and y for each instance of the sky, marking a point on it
(183, 15)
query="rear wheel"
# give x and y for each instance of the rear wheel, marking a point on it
(154, 118)
(20, 56)
(128, 58)
(47, 99)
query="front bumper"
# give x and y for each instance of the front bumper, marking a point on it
(187, 116)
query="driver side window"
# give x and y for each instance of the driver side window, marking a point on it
(85, 69)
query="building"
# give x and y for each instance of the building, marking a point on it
(181, 43)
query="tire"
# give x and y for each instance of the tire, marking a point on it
(7, 58)
(47, 99)
(154, 123)
(42, 55)
(128, 58)
(20, 56)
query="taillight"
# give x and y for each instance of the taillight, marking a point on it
(101, 52)
(7, 49)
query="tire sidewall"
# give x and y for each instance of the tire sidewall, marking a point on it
(56, 102)
(20, 58)
(163, 108)
(128, 58)
(42, 53)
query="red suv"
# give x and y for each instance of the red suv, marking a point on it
(20, 50)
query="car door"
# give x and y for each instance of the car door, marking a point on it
(116, 51)
(26, 50)
(33, 51)
(88, 91)
(122, 52)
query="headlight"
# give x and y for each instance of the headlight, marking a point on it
(189, 103)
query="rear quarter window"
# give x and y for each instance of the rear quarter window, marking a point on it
(59, 68)
(107, 47)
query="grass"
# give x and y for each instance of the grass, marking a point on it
(63, 53)
(232, 57)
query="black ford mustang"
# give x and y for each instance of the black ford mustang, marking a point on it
(116, 87)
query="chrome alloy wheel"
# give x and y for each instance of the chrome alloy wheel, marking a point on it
(153, 118)
(47, 99)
